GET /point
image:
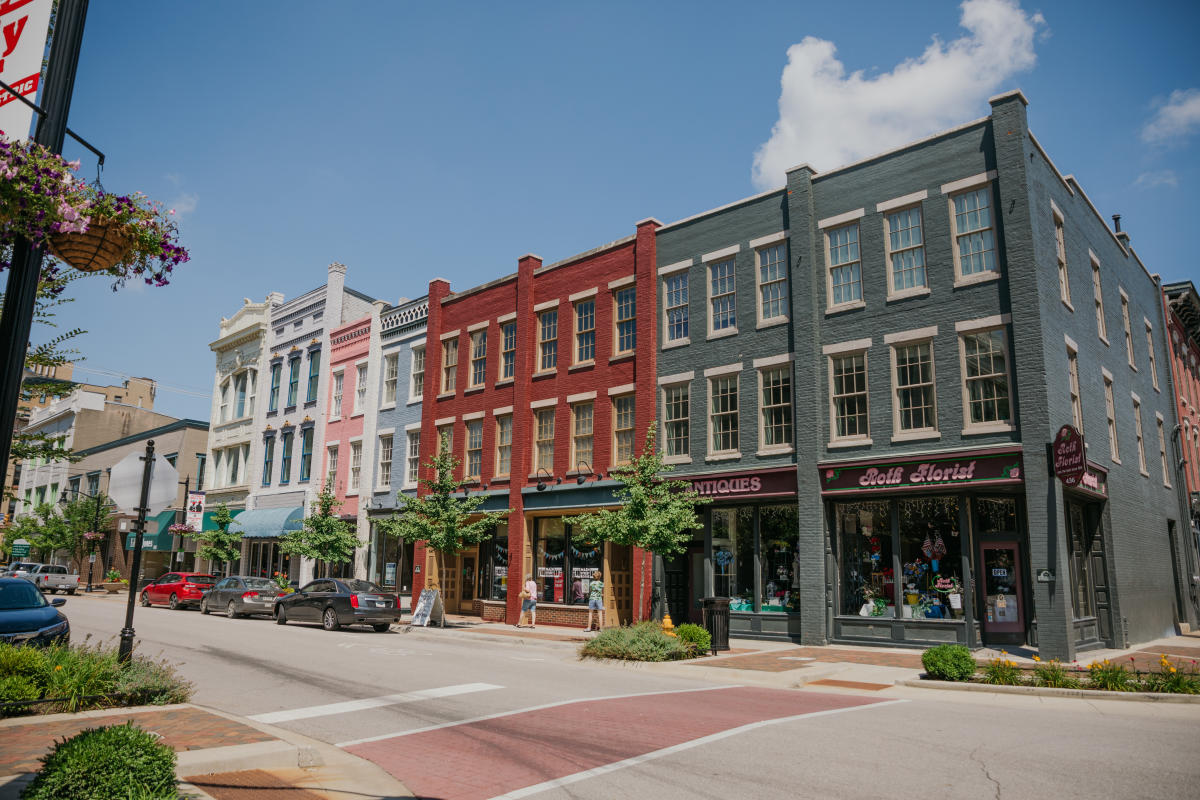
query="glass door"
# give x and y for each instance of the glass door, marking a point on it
(1003, 606)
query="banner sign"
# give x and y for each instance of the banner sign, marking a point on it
(745, 484)
(1070, 459)
(23, 28)
(923, 473)
(195, 510)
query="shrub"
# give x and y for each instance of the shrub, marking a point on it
(642, 642)
(1002, 672)
(153, 683)
(949, 662)
(1172, 679)
(28, 662)
(14, 688)
(76, 673)
(1053, 674)
(118, 761)
(697, 639)
(1111, 677)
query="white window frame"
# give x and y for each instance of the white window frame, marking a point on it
(470, 428)
(956, 189)
(617, 431)
(387, 444)
(579, 332)
(863, 438)
(685, 420)
(1098, 298)
(735, 452)
(508, 355)
(226, 390)
(449, 376)
(360, 387)
(987, 325)
(1150, 352)
(391, 379)
(1162, 449)
(544, 423)
(478, 366)
(1110, 411)
(331, 462)
(354, 479)
(502, 445)
(832, 307)
(337, 394)
(709, 267)
(412, 457)
(760, 285)
(788, 408)
(899, 433)
(1137, 427)
(1074, 386)
(1060, 254)
(680, 272)
(416, 373)
(578, 436)
(544, 342)
(617, 349)
(913, 291)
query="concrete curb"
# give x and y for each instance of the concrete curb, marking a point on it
(1043, 691)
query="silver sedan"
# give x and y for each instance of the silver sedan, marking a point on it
(240, 595)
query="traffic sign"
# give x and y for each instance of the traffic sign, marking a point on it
(20, 549)
(125, 484)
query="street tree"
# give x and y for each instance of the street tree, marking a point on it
(444, 519)
(221, 545)
(325, 536)
(654, 514)
(50, 530)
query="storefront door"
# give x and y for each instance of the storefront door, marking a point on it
(1003, 615)
(466, 582)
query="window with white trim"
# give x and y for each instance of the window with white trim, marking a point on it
(676, 422)
(775, 407)
(360, 388)
(1098, 296)
(225, 401)
(1110, 410)
(391, 377)
(985, 378)
(1073, 384)
(335, 402)
(1150, 352)
(1162, 452)
(772, 283)
(449, 365)
(905, 250)
(548, 340)
(722, 296)
(623, 421)
(445, 436)
(974, 240)
(331, 461)
(412, 464)
(848, 396)
(1137, 427)
(474, 460)
(504, 425)
(582, 419)
(914, 395)
(543, 440)
(625, 319)
(1128, 331)
(723, 414)
(675, 304)
(355, 466)
(478, 357)
(416, 376)
(845, 267)
(384, 479)
(1060, 250)
(508, 351)
(585, 331)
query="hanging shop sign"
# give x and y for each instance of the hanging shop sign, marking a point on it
(969, 469)
(1068, 455)
(753, 484)
(24, 24)
(1093, 481)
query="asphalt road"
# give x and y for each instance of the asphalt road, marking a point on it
(462, 717)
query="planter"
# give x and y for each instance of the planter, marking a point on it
(114, 588)
(102, 247)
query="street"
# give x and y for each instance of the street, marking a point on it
(460, 717)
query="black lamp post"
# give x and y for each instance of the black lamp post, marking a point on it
(62, 499)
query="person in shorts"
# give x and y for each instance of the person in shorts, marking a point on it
(528, 602)
(596, 601)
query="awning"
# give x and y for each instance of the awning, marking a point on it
(161, 540)
(209, 525)
(268, 523)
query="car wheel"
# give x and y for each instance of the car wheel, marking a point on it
(71, 592)
(51, 590)
(231, 611)
(382, 627)
(280, 615)
(204, 606)
(145, 600)
(330, 620)
(173, 602)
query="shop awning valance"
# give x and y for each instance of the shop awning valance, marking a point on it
(156, 537)
(268, 523)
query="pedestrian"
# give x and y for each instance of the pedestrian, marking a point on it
(596, 601)
(528, 597)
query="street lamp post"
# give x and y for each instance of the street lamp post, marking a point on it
(95, 526)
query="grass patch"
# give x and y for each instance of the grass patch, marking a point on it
(642, 642)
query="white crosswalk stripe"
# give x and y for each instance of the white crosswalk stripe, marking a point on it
(372, 702)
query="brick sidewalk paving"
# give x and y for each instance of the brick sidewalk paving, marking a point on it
(24, 743)
(800, 657)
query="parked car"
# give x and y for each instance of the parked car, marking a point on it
(239, 595)
(26, 617)
(336, 602)
(20, 567)
(178, 589)
(52, 578)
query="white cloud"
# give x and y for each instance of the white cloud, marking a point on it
(1162, 177)
(184, 204)
(1176, 118)
(828, 117)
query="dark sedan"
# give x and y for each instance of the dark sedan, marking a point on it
(240, 595)
(26, 617)
(336, 602)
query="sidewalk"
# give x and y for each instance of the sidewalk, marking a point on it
(221, 756)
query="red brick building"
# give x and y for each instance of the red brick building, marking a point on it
(1183, 328)
(542, 381)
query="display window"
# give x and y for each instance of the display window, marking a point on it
(493, 553)
(733, 556)
(778, 527)
(564, 560)
(930, 558)
(868, 582)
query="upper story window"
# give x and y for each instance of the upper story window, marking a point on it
(548, 340)
(355, 467)
(508, 353)
(543, 439)
(416, 378)
(243, 391)
(625, 318)
(845, 267)
(503, 445)
(478, 358)
(582, 419)
(225, 401)
(360, 388)
(623, 422)
(1137, 429)
(1128, 329)
(974, 240)
(306, 446)
(1101, 325)
(1114, 447)
(1162, 451)
(1150, 353)
(905, 251)
(986, 405)
(675, 306)
(385, 462)
(314, 374)
(1073, 387)
(285, 457)
(293, 380)
(772, 283)
(723, 414)
(268, 460)
(848, 396)
(1060, 252)
(276, 377)
(335, 402)
(449, 365)
(331, 462)
(775, 408)
(585, 331)
(474, 462)
(722, 297)
(915, 399)
(412, 464)
(676, 420)
(391, 377)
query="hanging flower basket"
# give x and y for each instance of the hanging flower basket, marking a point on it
(98, 249)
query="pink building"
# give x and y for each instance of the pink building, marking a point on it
(351, 403)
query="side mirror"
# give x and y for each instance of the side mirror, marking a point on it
(58, 601)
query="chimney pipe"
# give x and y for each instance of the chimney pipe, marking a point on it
(1117, 222)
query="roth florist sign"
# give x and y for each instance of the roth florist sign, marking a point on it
(986, 468)
(1070, 459)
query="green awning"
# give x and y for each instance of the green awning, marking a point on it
(209, 525)
(161, 540)
(268, 523)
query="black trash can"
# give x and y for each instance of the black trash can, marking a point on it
(716, 621)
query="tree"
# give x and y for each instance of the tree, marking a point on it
(325, 536)
(446, 522)
(221, 545)
(654, 515)
(49, 530)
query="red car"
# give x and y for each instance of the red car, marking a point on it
(178, 589)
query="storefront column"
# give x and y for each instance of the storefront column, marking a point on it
(816, 563)
(1049, 549)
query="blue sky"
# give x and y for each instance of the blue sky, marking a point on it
(412, 140)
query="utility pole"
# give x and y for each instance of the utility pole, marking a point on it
(20, 294)
(125, 649)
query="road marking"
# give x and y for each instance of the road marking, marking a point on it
(472, 720)
(677, 748)
(372, 702)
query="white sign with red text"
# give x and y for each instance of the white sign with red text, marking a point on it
(23, 27)
(195, 510)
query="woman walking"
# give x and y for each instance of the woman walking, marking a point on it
(528, 602)
(596, 601)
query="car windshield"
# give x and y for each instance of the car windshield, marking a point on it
(259, 583)
(20, 595)
(362, 586)
(203, 580)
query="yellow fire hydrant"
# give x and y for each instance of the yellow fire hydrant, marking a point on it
(668, 626)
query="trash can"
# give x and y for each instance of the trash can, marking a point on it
(716, 621)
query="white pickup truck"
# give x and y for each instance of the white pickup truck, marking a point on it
(50, 578)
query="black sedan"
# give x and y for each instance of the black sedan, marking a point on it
(337, 602)
(239, 595)
(26, 617)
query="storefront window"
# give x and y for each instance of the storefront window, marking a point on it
(496, 577)
(585, 559)
(930, 558)
(564, 562)
(733, 556)
(778, 531)
(864, 532)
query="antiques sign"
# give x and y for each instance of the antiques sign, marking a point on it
(1070, 460)
(778, 482)
(963, 470)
